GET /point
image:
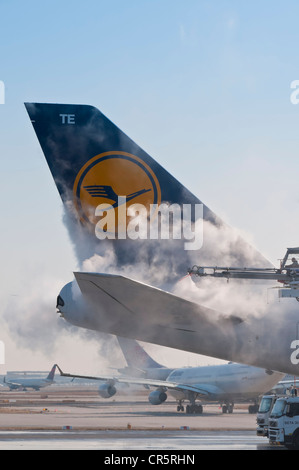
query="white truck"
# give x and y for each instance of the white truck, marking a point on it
(263, 414)
(284, 422)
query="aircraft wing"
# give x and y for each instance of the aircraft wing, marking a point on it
(18, 384)
(118, 379)
(124, 307)
(201, 389)
(128, 308)
(107, 378)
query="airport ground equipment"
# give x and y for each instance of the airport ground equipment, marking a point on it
(286, 274)
(284, 422)
(263, 414)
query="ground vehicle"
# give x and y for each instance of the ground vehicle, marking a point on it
(284, 422)
(263, 414)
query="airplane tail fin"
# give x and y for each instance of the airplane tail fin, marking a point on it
(119, 201)
(52, 372)
(136, 357)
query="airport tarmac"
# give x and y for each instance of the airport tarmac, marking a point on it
(71, 417)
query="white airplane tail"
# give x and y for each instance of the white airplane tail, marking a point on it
(136, 356)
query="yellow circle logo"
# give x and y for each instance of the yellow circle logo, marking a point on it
(114, 180)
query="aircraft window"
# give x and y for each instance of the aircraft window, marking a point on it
(60, 301)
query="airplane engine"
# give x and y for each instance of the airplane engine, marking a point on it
(107, 390)
(157, 397)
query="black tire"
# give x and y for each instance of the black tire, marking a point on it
(199, 409)
(295, 443)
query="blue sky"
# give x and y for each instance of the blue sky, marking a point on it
(203, 86)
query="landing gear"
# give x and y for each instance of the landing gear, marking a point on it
(194, 409)
(252, 409)
(227, 407)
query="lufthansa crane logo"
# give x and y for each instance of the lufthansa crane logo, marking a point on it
(111, 181)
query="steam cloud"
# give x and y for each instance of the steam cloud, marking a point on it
(161, 263)
(164, 264)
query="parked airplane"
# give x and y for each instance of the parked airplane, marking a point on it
(224, 383)
(236, 382)
(118, 201)
(35, 384)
